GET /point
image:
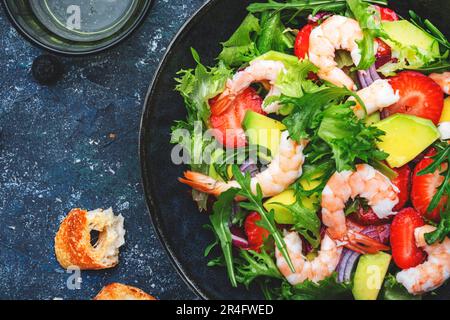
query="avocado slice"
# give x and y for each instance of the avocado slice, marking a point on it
(407, 34)
(283, 215)
(406, 136)
(445, 117)
(263, 131)
(369, 276)
(279, 56)
(215, 157)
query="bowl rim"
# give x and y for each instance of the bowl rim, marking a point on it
(145, 139)
(145, 11)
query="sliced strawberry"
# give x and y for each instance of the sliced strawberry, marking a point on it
(301, 46)
(384, 53)
(256, 235)
(405, 252)
(387, 14)
(227, 124)
(403, 183)
(425, 187)
(419, 96)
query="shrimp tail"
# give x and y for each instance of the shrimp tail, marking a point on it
(363, 244)
(202, 183)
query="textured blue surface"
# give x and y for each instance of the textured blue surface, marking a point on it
(76, 145)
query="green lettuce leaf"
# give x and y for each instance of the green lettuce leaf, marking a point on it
(273, 34)
(366, 15)
(241, 47)
(307, 114)
(307, 223)
(200, 85)
(349, 137)
(327, 289)
(393, 290)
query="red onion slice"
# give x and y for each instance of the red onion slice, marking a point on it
(349, 257)
(238, 238)
(367, 77)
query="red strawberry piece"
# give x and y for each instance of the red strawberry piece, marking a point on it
(301, 46)
(384, 53)
(405, 252)
(425, 187)
(402, 182)
(227, 122)
(256, 234)
(419, 96)
(387, 14)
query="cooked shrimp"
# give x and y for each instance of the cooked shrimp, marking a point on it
(367, 183)
(376, 97)
(316, 270)
(285, 168)
(442, 79)
(266, 71)
(336, 33)
(432, 273)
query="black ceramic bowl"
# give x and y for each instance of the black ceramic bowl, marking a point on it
(175, 216)
(30, 19)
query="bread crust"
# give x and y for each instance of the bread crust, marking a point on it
(73, 240)
(118, 291)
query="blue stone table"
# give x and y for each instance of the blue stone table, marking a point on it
(75, 144)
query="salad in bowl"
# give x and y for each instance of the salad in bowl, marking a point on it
(318, 146)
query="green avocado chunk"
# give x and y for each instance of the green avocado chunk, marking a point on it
(369, 276)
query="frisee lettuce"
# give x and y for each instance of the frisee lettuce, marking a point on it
(252, 265)
(327, 289)
(349, 137)
(197, 86)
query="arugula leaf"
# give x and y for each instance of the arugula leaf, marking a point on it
(366, 15)
(429, 28)
(200, 85)
(307, 223)
(273, 35)
(349, 137)
(254, 265)
(394, 290)
(441, 163)
(309, 6)
(439, 66)
(443, 228)
(329, 289)
(220, 219)
(241, 47)
(256, 204)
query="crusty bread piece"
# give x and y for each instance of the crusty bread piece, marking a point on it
(117, 291)
(73, 240)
